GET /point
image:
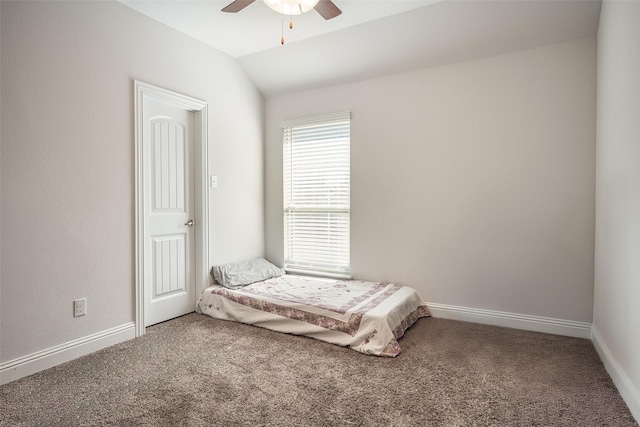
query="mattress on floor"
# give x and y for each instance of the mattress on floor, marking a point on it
(369, 317)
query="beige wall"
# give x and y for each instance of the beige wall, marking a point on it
(473, 183)
(68, 161)
(617, 254)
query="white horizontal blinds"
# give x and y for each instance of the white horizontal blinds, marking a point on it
(316, 193)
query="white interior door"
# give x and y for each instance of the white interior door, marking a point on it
(169, 212)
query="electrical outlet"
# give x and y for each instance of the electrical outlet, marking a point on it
(79, 307)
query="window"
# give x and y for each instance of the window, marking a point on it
(317, 194)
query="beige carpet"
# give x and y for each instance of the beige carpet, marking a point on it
(197, 371)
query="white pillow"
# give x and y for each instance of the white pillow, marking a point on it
(238, 274)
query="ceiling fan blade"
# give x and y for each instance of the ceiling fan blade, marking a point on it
(237, 6)
(327, 9)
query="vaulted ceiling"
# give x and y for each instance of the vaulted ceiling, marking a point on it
(371, 37)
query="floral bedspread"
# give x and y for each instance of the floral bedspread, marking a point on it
(366, 316)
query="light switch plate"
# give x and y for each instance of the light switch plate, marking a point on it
(213, 181)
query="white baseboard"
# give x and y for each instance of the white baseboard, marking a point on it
(625, 386)
(512, 320)
(50, 357)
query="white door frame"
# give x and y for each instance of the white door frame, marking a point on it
(142, 92)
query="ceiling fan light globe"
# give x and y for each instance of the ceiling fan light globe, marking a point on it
(307, 5)
(291, 7)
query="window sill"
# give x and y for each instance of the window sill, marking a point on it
(324, 274)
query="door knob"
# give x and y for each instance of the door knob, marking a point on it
(189, 223)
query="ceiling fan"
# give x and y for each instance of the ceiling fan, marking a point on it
(326, 8)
